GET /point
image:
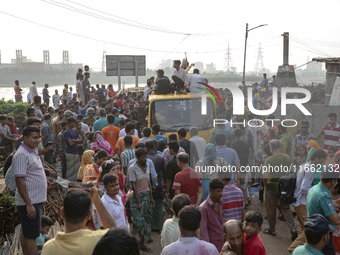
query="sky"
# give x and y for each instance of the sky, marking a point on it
(167, 29)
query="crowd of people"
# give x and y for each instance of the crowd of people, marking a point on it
(132, 175)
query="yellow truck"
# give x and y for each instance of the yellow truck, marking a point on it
(173, 111)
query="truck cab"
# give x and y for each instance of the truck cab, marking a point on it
(172, 111)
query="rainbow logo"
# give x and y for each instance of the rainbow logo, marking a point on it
(213, 90)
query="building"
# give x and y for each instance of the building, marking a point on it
(199, 66)
(210, 68)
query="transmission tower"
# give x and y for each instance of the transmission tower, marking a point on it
(104, 60)
(228, 64)
(259, 66)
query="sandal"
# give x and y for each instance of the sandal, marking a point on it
(146, 249)
(268, 232)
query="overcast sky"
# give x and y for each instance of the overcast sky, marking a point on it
(211, 25)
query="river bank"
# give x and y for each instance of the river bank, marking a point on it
(7, 92)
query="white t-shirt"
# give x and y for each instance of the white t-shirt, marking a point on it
(194, 80)
(117, 209)
(191, 246)
(122, 133)
(56, 100)
(182, 74)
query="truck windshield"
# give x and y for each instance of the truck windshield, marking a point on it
(175, 113)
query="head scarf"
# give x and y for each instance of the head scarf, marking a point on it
(104, 144)
(210, 152)
(313, 144)
(87, 158)
(336, 162)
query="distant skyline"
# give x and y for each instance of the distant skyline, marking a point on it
(202, 29)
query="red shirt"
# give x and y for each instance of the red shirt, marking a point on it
(188, 181)
(253, 245)
(120, 102)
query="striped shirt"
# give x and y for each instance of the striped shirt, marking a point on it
(233, 203)
(127, 155)
(228, 154)
(332, 136)
(26, 163)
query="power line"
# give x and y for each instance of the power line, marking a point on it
(88, 13)
(314, 50)
(107, 42)
(320, 51)
(167, 54)
(319, 42)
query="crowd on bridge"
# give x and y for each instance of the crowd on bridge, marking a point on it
(133, 176)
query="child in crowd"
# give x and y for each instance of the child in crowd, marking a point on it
(252, 227)
(331, 155)
(336, 202)
(300, 156)
(46, 223)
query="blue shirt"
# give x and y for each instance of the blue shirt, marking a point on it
(71, 135)
(116, 122)
(265, 82)
(255, 100)
(306, 250)
(160, 137)
(98, 125)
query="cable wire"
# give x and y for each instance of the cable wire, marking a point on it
(102, 41)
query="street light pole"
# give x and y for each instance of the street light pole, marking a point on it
(245, 53)
(245, 48)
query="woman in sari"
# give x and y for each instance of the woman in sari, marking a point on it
(91, 172)
(210, 159)
(87, 159)
(102, 144)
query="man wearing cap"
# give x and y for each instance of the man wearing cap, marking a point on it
(68, 114)
(319, 202)
(90, 119)
(317, 230)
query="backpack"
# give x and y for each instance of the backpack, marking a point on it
(286, 188)
(163, 85)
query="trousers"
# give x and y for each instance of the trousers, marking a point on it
(272, 198)
(301, 213)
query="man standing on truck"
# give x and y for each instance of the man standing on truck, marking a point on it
(195, 81)
(182, 82)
